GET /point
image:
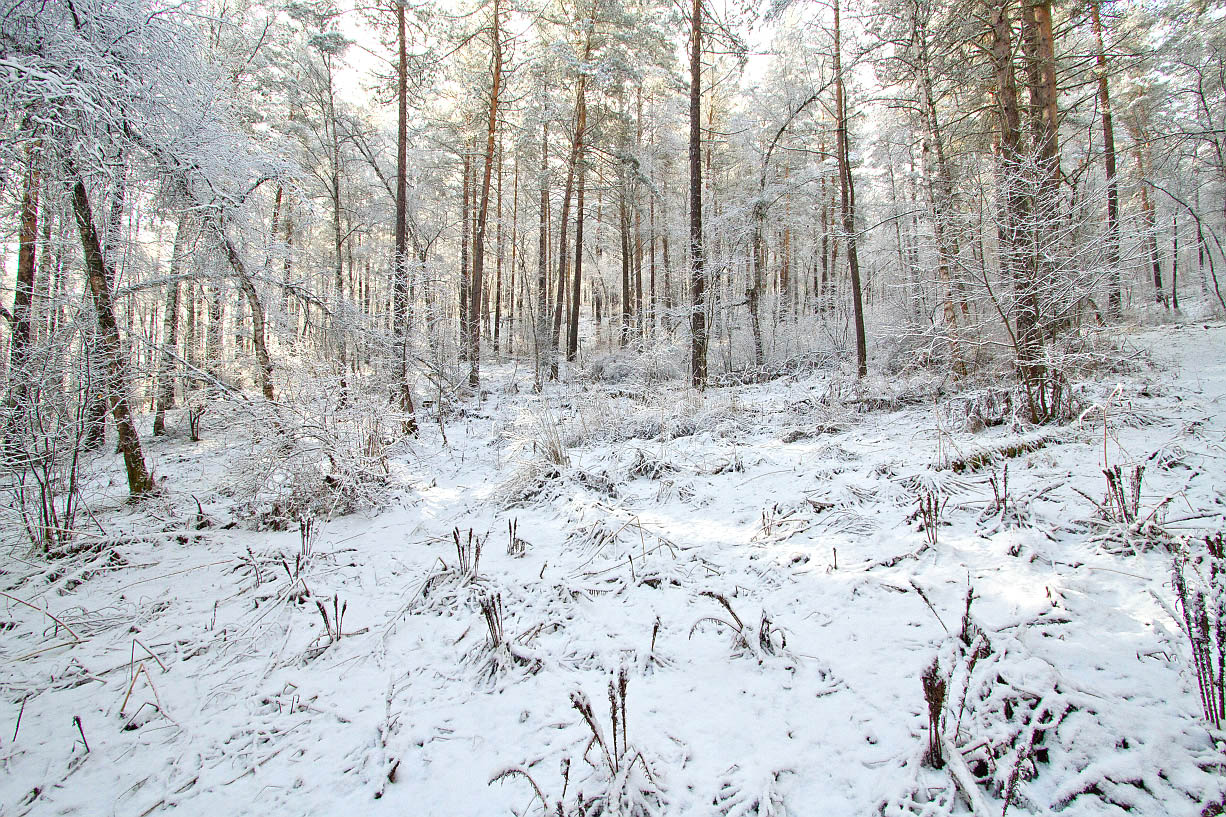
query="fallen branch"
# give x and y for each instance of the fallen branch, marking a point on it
(45, 613)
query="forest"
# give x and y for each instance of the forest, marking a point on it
(398, 395)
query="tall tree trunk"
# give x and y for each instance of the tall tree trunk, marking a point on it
(1115, 295)
(753, 294)
(576, 148)
(541, 328)
(498, 256)
(213, 334)
(191, 341)
(491, 133)
(1150, 217)
(258, 331)
(100, 279)
(698, 314)
(511, 290)
(400, 285)
(95, 434)
(847, 199)
(164, 385)
(465, 275)
(22, 327)
(651, 263)
(623, 233)
(572, 344)
(1175, 262)
(940, 187)
(1016, 251)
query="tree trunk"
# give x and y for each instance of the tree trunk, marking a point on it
(213, 335)
(623, 233)
(100, 278)
(541, 328)
(940, 187)
(1115, 295)
(258, 331)
(1017, 258)
(465, 277)
(498, 268)
(474, 304)
(23, 296)
(576, 148)
(572, 344)
(1175, 262)
(698, 314)
(164, 385)
(95, 434)
(1150, 218)
(847, 200)
(753, 295)
(400, 262)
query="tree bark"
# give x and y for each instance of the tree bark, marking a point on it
(1115, 295)
(572, 343)
(465, 277)
(258, 332)
(1016, 253)
(540, 331)
(164, 385)
(576, 148)
(847, 200)
(474, 304)
(1150, 217)
(498, 256)
(400, 285)
(23, 295)
(698, 314)
(100, 279)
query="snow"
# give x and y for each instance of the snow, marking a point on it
(204, 687)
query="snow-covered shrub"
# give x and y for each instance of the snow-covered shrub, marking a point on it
(308, 456)
(46, 425)
(539, 443)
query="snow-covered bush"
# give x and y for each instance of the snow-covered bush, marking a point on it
(47, 423)
(308, 455)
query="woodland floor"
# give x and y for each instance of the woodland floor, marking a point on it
(200, 674)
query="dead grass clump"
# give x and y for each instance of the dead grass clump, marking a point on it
(645, 464)
(621, 779)
(760, 641)
(450, 587)
(500, 655)
(1119, 521)
(517, 548)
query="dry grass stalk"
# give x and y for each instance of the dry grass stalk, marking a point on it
(1202, 602)
(58, 622)
(934, 694)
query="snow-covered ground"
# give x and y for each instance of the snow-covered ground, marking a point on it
(746, 573)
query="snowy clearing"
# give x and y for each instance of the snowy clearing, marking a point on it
(755, 579)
